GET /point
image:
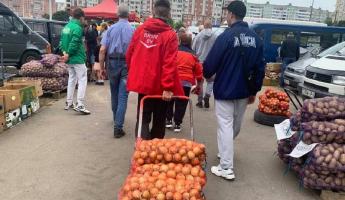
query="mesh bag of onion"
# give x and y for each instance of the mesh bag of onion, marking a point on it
(169, 151)
(164, 182)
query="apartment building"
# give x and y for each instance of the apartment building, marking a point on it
(30, 8)
(340, 10)
(286, 12)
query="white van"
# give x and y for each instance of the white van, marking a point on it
(325, 77)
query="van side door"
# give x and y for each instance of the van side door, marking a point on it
(12, 38)
(55, 30)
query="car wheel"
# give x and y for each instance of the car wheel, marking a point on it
(268, 120)
(29, 56)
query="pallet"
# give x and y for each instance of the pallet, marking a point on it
(55, 94)
(329, 195)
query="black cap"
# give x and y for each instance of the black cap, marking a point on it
(162, 3)
(238, 8)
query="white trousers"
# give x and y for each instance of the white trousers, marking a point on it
(229, 116)
(77, 74)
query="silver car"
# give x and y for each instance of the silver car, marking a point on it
(294, 73)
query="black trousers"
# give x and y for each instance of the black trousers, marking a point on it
(155, 110)
(180, 108)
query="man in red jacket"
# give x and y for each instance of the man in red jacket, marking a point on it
(151, 59)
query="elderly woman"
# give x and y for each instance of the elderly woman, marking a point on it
(190, 73)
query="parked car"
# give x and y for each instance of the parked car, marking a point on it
(294, 74)
(49, 29)
(19, 43)
(325, 77)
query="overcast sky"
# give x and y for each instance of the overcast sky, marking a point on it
(324, 4)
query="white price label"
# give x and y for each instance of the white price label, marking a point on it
(301, 149)
(283, 130)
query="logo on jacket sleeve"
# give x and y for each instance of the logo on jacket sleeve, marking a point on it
(149, 40)
(247, 41)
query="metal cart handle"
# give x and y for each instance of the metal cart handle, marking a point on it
(296, 102)
(141, 110)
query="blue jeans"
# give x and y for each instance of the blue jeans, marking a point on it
(117, 74)
(286, 62)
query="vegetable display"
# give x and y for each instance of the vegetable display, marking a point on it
(166, 169)
(54, 75)
(322, 122)
(274, 102)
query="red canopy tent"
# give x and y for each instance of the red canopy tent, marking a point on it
(107, 9)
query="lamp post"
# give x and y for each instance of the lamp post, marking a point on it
(50, 10)
(312, 9)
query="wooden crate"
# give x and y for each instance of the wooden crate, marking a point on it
(329, 195)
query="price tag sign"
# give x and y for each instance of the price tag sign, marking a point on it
(283, 130)
(301, 149)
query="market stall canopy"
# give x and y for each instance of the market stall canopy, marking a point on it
(107, 9)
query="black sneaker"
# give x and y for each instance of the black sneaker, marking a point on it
(177, 128)
(199, 105)
(82, 110)
(207, 102)
(118, 133)
(168, 124)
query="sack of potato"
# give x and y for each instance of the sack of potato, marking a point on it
(169, 151)
(328, 157)
(52, 84)
(325, 180)
(49, 60)
(324, 132)
(323, 109)
(274, 102)
(285, 147)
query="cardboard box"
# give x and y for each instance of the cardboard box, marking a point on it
(25, 111)
(12, 118)
(270, 82)
(2, 105)
(35, 105)
(274, 67)
(2, 122)
(11, 99)
(23, 81)
(27, 92)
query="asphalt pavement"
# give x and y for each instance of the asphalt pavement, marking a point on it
(59, 154)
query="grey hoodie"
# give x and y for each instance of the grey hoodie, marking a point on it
(203, 43)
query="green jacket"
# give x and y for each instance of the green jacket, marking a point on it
(72, 42)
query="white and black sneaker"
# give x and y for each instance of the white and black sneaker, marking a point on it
(228, 174)
(82, 110)
(69, 106)
(177, 128)
(168, 124)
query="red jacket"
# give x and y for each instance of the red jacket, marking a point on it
(188, 65)
(151, 58)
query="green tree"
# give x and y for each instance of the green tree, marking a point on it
(45, 16)
(329, 21)
(178, 25)
(61, 16)
(341, 23)
(170, 22)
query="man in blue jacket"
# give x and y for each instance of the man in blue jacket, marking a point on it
(238, 63)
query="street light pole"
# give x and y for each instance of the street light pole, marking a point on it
(50, 10)
(312, 9)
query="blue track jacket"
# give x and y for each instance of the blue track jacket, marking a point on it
(225, 60)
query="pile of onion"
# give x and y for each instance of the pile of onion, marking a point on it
(165, 182)
(169, 151)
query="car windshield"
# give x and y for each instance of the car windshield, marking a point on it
(336, 49)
